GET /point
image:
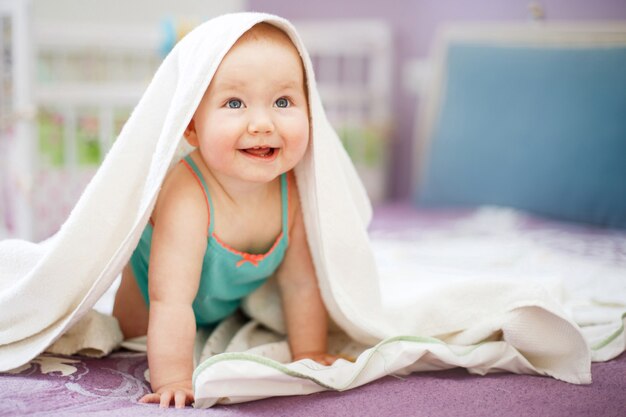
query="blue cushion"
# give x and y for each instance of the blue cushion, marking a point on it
(539, 129)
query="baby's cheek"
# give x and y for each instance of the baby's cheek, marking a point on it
(302, 136)
(299, 145)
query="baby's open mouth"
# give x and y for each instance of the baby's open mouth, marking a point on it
(260, 151)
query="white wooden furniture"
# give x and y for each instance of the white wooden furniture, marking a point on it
(17, 110)
(87, 79)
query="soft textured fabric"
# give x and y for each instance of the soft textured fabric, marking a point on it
(95, 335)
(493, 326)
(536, 128)
(458, 242)
(227, 275)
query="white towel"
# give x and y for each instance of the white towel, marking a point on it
(47, 287)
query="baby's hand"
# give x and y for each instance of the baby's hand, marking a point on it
(181, 393)
(319, 357)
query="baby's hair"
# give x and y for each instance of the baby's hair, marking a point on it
(266, 32)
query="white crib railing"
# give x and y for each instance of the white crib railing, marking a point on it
(17, 147)
(81, 107)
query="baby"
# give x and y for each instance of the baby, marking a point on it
(228, 217)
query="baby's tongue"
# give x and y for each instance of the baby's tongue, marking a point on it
(259, 151)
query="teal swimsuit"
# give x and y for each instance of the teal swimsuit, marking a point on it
(228, 275)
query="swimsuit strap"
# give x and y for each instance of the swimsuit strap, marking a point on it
(284, 191)
(188, 161)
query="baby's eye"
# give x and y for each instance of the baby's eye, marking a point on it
(282, 102)
(234, 103)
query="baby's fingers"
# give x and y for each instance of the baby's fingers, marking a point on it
(166, 399)
(150, 398)
(325, 359)
(181, 399)
(329, 359)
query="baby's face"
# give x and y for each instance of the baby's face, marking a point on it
(252, 123)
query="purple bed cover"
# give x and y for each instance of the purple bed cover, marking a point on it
(112, 385)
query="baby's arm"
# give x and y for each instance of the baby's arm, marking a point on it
(305, 314)
(178, 245)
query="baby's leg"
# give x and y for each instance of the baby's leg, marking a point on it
(130, 308)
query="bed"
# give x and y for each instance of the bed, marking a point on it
(62, 386)
(59, 385)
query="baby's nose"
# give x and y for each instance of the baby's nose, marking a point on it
(260, 123)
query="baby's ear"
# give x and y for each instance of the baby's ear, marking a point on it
(190, 134)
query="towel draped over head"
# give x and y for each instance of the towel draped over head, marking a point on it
(46, 287)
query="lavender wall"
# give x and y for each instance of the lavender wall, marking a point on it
(414, 23)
